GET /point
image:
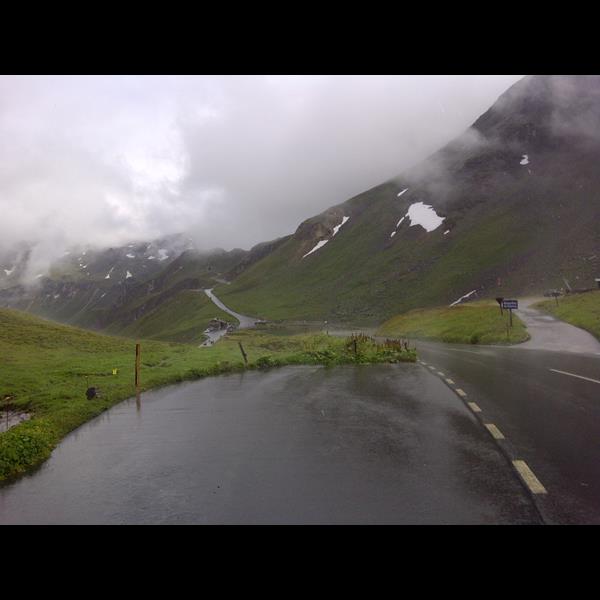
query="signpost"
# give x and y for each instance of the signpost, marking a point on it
(510, 305)
(499, 301)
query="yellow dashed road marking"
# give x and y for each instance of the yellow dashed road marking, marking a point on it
(440, 373)
(533, 483)
(496, 433)
(461, 393)
(449, 381)
(474, 407)
(432, 367)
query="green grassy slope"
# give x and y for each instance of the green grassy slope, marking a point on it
(363, 275)
(476, 323)
(581, 310)
(517, 233)
(46, 369)
(514, 228)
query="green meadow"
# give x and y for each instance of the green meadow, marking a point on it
(581, 310)
(473, 323)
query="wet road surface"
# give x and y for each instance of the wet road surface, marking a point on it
(352, 444)
(547, 405)
(550, 333)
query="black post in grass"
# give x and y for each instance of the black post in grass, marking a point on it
(243, 353)
(138, 352)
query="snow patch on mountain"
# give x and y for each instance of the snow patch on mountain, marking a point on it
(424, 215)
(319, 245)
(337, 227)
(463, 298)
(323, 242)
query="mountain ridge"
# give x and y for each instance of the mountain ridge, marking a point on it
(516, 196)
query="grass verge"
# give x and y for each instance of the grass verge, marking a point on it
(46, 369)
(581, 310)
(475, 323)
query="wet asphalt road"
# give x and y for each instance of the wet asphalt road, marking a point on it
(353, 444)
(549, 333)
(550, 418)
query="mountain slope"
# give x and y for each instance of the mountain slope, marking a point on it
(514, 208)
(519, 194)
(141, 290)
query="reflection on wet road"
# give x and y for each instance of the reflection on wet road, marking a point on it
(354, 444)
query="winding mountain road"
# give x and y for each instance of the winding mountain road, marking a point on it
(245, 322)
(540, 402)
(543, 398)
(549, 333)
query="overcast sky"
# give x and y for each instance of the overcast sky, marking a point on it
(233, 160)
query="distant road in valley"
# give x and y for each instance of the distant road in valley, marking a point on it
(245, 321)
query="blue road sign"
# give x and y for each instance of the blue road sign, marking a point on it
(513, 304)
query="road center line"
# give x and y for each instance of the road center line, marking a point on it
(574, 375)
(496, 433)
(461, 393)
(474, 407)
(440, 373)
(533, 483)
(449, 381)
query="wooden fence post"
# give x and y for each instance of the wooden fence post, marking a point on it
(137, 366)
(243, 353)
